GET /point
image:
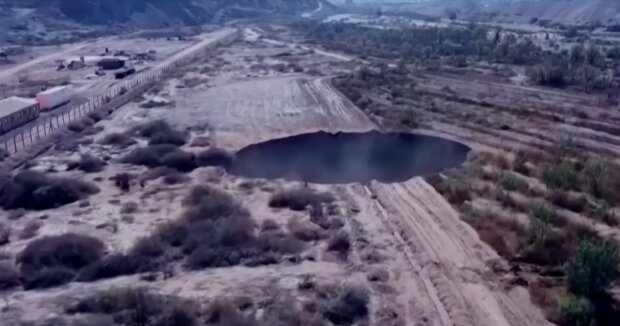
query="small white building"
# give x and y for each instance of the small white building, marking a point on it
(16, 111)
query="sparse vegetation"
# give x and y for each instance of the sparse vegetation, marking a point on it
(9, 278)
(90, 164)
(593, 268)
(299, 199)
(138, 307)
(54, 260)
(215, 157)
(121, 140)
(37, 191)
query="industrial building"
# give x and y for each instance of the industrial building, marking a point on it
(16, 111)
(111, 64)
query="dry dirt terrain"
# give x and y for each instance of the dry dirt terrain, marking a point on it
(421, 263)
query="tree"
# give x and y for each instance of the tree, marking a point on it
(541, 218)
(577, 56)
(594, 171)
(593, 268)
(595, 57)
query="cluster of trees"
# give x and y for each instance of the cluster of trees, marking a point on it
(582, 66)
(585, 67)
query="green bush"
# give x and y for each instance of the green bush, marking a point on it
(562, 175)
(593, 268)
(508, 181)
(542, 217)
(576, 311)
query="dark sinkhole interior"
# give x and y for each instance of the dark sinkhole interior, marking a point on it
(349, 157)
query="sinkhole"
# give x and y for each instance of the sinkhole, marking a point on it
(330, 158)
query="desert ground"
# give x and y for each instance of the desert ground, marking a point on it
(409, 250)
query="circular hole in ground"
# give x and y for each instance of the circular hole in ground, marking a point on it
(349, 157)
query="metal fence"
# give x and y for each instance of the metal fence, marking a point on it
(23, 137)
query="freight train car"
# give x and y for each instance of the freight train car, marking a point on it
(16, 111)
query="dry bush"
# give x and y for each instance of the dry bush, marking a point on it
(455, 191)
(30, 230)
(49, 277)
(90, 164)
(269, 225)
(215, 157)
(298, 199)
(571, 201)
(9, 278)
(506, 237)
(76, 126)
(200, 141)
(557, 247)
(3, 154)
(170, 176)
(49, 260)
(150, 156)
(170, 136)
(111, 266)
(304, 231)
(129, 207)
(138, 307)
(182, 161)
(350, 306)
(340, 243)
(37, 191)
(5, 234)
(95, 115)
(87, 121)
(121, 140)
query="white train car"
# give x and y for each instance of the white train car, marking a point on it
(54, 97)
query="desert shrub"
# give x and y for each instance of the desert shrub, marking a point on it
(170, 136)
(95, 116)
(160, 132)
(87, 121)
(279, 242)
(122, 140)
(9, 278)
(457, 193)
(215, 157)
(594, 171)
(35, 190)
(170, 176)
(30, 230)
(112, 266)
(90, 164)
(3, 154)
(298, 199)
(571, 201)
(150, 156)
(76, 126)
(339, 242)
(179, 160)
(69, 250)
(48, 277)
(542, 217)
(232, 239)
(576, 310)
(200, 141)
(509, 181)
(304, 231)
(562, 175)
(5, 235)
(349, 307)
(129, 207)
(593, 268)
(138, 307)
(269, 225)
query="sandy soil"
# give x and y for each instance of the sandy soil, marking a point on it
(440, 273)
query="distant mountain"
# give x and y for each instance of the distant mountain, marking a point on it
(518, 11)
(155, 12)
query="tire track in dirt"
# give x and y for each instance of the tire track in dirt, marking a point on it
(449, 257)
